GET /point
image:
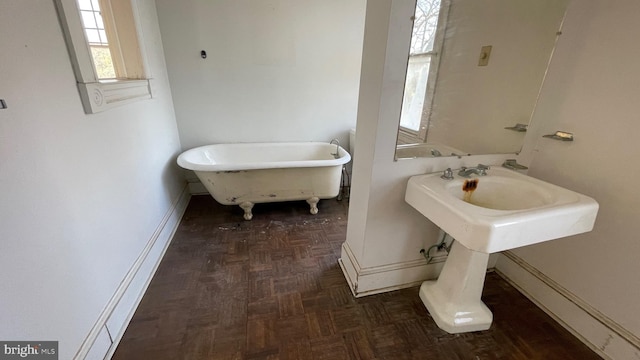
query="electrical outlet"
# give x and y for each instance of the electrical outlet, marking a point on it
(485, 54)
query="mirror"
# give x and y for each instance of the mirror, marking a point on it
(474, 72)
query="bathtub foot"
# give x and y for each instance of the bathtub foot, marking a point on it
(313, 203)
(247, 206)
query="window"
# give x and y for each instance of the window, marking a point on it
(102, 38)
(426, 42)
(94, 31)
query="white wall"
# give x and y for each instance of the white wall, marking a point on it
(81, 195)
(277, 70)
(592, 90)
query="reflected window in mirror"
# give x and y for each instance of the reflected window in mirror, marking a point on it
(427, 37)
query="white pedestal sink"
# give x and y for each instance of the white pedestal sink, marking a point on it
(506, 211)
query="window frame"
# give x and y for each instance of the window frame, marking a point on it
(101, 95)
(406, 135)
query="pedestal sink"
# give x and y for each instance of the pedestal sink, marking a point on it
(507, 210)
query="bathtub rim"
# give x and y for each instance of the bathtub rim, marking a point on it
(197, 166)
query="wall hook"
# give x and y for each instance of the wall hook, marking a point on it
(518, 127)
(560, 135)
(203, 54)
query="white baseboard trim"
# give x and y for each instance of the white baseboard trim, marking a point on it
(384, 278)
(158, 242)
(603, 335)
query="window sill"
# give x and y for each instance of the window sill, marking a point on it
(409, 136)
(102, 96)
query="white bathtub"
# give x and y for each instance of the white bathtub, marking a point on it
(249, 173)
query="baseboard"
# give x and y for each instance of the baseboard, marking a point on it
(380, 279)
(120, 309)
(603, 335)
(364, 281)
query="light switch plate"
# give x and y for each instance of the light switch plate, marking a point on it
(485, 54)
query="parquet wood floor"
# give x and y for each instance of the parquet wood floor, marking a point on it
(271, 288)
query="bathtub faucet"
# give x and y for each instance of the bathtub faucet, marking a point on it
(337, 147)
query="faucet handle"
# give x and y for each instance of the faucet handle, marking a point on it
(482, 169)
(447, 175)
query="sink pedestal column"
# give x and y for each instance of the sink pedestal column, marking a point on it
(454, 299)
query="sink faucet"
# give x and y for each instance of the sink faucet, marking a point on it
(479, 170)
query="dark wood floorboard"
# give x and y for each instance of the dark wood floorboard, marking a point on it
(271, 288)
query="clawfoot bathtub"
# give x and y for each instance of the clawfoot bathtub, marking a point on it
(245, 174)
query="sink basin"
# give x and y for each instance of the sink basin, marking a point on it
(507, 209)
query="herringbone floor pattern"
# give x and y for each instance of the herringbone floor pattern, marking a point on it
(271, 288)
